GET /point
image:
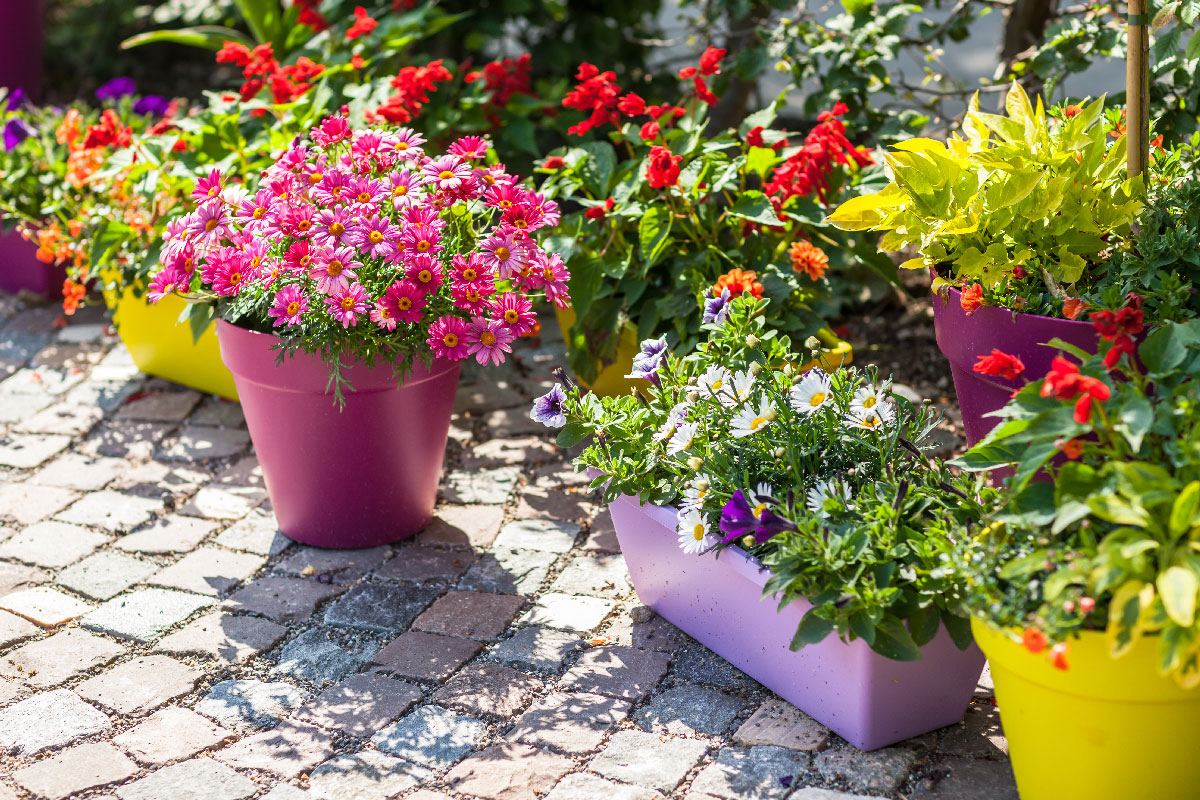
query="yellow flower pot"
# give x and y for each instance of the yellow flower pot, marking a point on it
(1104, 729)
(611, 380)
(162, 346)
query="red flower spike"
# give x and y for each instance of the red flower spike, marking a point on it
(710, 60)
(1058, 656)
(1000, 365)
(363, 24)
(663, 169)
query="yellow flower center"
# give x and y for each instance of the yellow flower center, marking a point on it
(400, 190)
(758, 510)
(404, 303)
(258, 212)
(235, 278)
(364, 197)
(487, 338)
(698, 531)
(347, 303)
(383, 312)
(304, 259)
(450, 340)
(256, 261)
(402, 145)
(869, 402)
(334, 269)
(293, 308)
(315, 177)
(424, 276)
(757, 423)
(489, 179)
(502, 253)
(375, 237)
(304, 224)
(520, 223)
(208, 226)
(716, 385)
(337, 228)
(511, 316)
(469, 274)
(548, 274)
(817, 399)
(445, 174)
(423, 246)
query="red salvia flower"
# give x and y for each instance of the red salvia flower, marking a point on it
(1000, 365)
(363, 24)
(663, 167)
(234, 53)
(710, 60)
(1064, 382)
(597, 93)
(972, 298)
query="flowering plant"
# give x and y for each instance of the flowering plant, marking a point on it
(1113, 544)
(820, 476)
(360, 244)
(1022, 213)
(667, 212)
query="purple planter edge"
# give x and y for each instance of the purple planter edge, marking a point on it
(962, 338)
(359, 477)
(867, 699)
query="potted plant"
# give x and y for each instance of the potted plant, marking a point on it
(1015, 220)
(763, 509)
(349, 285)
(664, 210)
(1084, 591)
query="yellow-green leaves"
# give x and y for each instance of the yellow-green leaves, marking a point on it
(868, 211)
(1178, 587)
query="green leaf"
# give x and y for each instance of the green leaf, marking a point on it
(924, 625)
(1134, 419)
(597, 169)
(1192, 51)
(1163, 350)
(759, 160)
(893, 641)
(854, 7)
(1178, 587)
(756, 207)
(653, 232)
(572, 434)
(1117, 510)
(1067, 347)
(1183, 510)
(207, 37)
(811, 630)
(959, 629)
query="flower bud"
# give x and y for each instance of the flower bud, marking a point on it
(771, 414)
(752, 340)
(700, 483)
(813, 343)
(756, 369)
(780, 452)
(747, 541)
(695, 462)
(693, 397)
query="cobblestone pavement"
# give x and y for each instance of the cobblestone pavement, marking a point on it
(160, 640)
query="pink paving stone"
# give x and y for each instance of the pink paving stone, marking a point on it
(360, 705)
(425, 656)
(617, 672)
(44, 606)
(568, 612)
(112, 511)
(423, 794)
(56, 659)
(17, 577)
(602, 536)
(68, 419)
(463, 526)
(426, 564)
(288, 749)
(140, 685)
(488, 689)
(554, 504)
(227, 638)
(508, 452)
(74, 771)
(508, 772)
(783, 725)
(197, 779)
(208, 571)
(14, 629)
(174, 534)
(80, 472)
(476, 615)
(27, 503)
(52, 544)
(281, 599)
(170, 734)
(28, 450)
(124, 439)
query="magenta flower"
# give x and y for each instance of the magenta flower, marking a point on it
(488, 340)
(209, 188)
(448, 339)
(470, 147)
(383, 315)
(504, 253)
(416, 240)
(231, 273)
(365, 194)
(406, 300)
(491, 174)
(470, 297)
(289, 306)
(522, 220)
(424, 215)
(331, 131)
(376, 236)
(550, 275)
(167, 281)
(253, 211)
(504, 196)
(346, 303)
(333, 189)
(514, 312)
(209, 223)
(334, 269)
(332, 228)
(298, 221)
(406, 188)
(407, 144)
(447, 173)
(425, 271)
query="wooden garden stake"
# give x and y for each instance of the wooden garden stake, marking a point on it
(1137, 88)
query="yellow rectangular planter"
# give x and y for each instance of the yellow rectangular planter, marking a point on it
(162, 346)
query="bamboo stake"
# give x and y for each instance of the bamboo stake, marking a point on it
(1137, 88)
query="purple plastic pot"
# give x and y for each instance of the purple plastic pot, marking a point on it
(21, 46)
(867, 699)
(359, 477)
(962, 339)
(21, 271)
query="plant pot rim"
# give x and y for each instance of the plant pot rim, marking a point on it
(956, 294)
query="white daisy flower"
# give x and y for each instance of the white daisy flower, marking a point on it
(714, 381)
(813, 392)
(818, 494)
(869, 398)
(872, 419)
(675, 417)
(696, 493)
(749, 420)
(739, 389)
(760, 499)
(692, 531)
(682, 439)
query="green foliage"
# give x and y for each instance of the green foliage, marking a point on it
(1114, 543)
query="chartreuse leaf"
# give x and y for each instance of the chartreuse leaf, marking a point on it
(1124, 613)
(208, 37)
(1177, 586)
(1118, 510)
(867, 211)
(1183, 511)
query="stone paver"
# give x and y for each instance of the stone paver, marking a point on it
(105, 574)
(364, 776)
(617, 672)
(487, 487)
(488, 690)
(248, 704)
(342, 567)
(508, 571)
(144, 614)
(689, 710)
(173, 534)
(879, 772)
(281, 599)
(568, 612)
(508, 772)
(140, 685)
(83, 767)
(27, 450)
(545, 535)
(52, 544)
(170, 734)
(44, 606)
(224, 637)
(360, 705)
(648, 760)
(47, 720)
(386, 608)
(56, 659)
(569, 723)
(80, 472)
(318, 657)
(425, 656)
(462, 526)
(160, 407)
(582, 786)
(208, 571)
(68, 418)
(17, 578)
(113, 511)
(536, 649)
(597, 576)
(257, 532)
(781, 724)
(953, 778)
(28, 503)
(759, 772)
(200, 443)
(14, 629)
(432, 736)
(287, 749)
(198, 779)
(476, 615)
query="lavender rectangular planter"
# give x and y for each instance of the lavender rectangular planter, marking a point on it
(867, 699)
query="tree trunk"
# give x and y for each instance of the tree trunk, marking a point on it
(1024, 29)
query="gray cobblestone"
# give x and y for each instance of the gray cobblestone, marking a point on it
(689, 710)
(111, 510)
(57, 659)
(432, 736)
(47, 720)
(198, 779)
(223, 637)
(174, 534)
(140, 685)
(647, 760)
(104, 574)
(316, 656)
(248, 704)
(170, 734)
(52, 544)
(759, 772)
(144, 614)
(74, 771)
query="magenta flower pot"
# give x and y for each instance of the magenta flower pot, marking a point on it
(359, 477)
(21, 46)
(962, 339)
(20, 269)
(868, 700)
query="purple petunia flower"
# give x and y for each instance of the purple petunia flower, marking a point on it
(716, 309)
(152, 105)
(739, 518)
(15, 98)
(550, 408)
(115, 89)
(647, 362)
(16, 131)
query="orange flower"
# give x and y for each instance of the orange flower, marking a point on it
(1071, 111)
(1058, 656)
(70, 128)
(1034, 640)
(738, 281)
(808, 259)
(1073, 307)
(1072, 448)
(972, 298)
(72, 296)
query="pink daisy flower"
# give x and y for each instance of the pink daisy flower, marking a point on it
(298, 221)
(376, 236)
(424, 215)
(470, 147)
(383, 316)
(289, 306)
(425, 272)
(168, 280)
(549, 209)
(331, 131)
(346, 303)
(282, 187)
(470, 298)
(488, 340)
(406, 300)
(407, 144)
(491, 175)
(418, 240)
(523, 219)
(333, 188)
(334, 269)
(253, 210)
(504, 253)
(448, 339)
(551, 275)
(515, 312)
(231, 274)
(298, 256)
(447, 173)
(209, 188)
(209, 223)
(406, 188)
(364, 194)
(332, 228)
(504, 196)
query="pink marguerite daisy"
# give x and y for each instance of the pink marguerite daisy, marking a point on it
(425, 272)
(376, 236)
(289, 306)
(407, 144)
(447, 173)
(488, 340)
(515, 312)
(470, 147)
(406, 188)
(406, 300)
(346, 303)
(334, 269)
(505, 253)
(448, 338)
